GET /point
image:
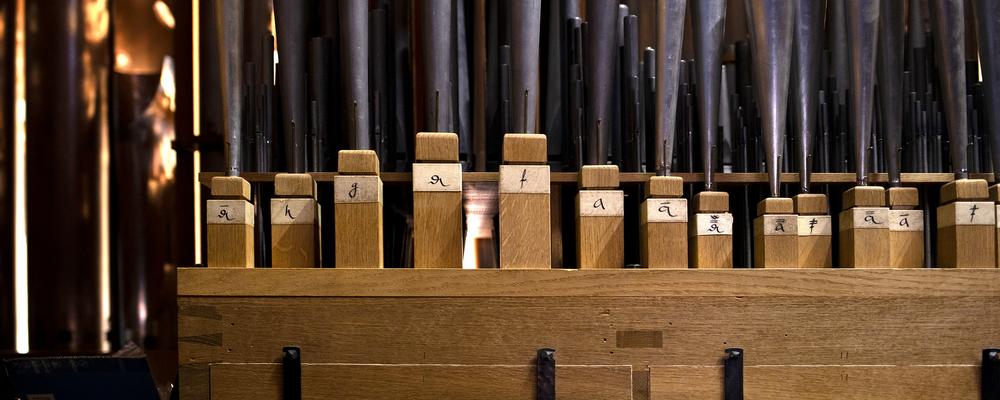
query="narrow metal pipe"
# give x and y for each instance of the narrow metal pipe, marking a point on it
(354, 67)
(290, 23)
(229, 25)
(600, 61)
(988, 25)
(525, 31)
(805, 82)
(435, 48)
(669, 39)
(949, 45)
(709, 19)
(862, 31)
(890, 73)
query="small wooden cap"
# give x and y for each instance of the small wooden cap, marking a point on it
(294, 185)
(599, 177)
(995, 193)
(864, 196)
(811, 204)
(230, 187)
(775, 205)
(902, 197)
(357, 162)
(708, 202)
(437, 147)
(665, 186)
(964, 189)
(525, 148)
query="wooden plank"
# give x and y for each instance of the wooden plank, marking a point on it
(416, 382)
(193, 382)
(525, 233)
(637, 331)
(839, 382)
(394, 282)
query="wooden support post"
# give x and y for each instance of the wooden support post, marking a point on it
(775, 234)
(437, 202)
(995, 198)
(600, 210)
(525, 233)
(906, 228)
(295, 226)
(864, 228)
(357, 204)
(229, 216)
(966, 226)
(712, 232)
(815, 241)
(663, 224)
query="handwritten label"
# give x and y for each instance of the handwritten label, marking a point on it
(235, 212)
(998, 213)
(780, 225)
(713, 224)
(357, 189)
(666, 210)
(906, 220)
(815, 225)
(601, 203)
(975, 213)
(869, 217)
(429, 177)
(293, 211)
(524, 179)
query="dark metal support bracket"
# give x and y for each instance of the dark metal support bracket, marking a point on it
(991, 374)
(733, 374)
(291, 373)
(545, 374)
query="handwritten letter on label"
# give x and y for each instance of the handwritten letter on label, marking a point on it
(238, 212)
(975, 213)
(602, 203)
(293, 211)
(524, 179)
(429, 177)
(356, 189)
(714, 224)
(777, 225)
(666, 210)
(869, 218)
(906, 220)
(815, 225)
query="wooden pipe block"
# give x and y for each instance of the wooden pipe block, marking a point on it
(295, 228)
(966, 226)
(600, 210)
(230, 219)
(525, 215)
(815, 231)
(663, 221)
(994, 193)
(906, 228)
(357, 208)
(776, 234)
(711, 235)
(437, 202)
(864, 228)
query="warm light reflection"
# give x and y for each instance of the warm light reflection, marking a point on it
(161, 118)
(163, 14)
(196, 128)
(20, 223)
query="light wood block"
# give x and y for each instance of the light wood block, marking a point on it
(815, 231)
(711, 202)
(436, 147)
(357, 205)
(964, 190)
(663, 220)
(600, 229)
(599, 177)
(967, 235)
(295, 233)
(525, 216)
(711, 233)
(864, 196)
(294, 185)
(906, 228)
(776, 234)
(864, 237)
(437, 202)
(230, 222)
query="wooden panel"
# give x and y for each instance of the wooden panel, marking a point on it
(437, 229)
(838, 382)
(525, 233)
(833, 283)
(906, 249)
(864, 248)
(664, 244)
(896, 330)
(966, 246)
(600, 242)
(416, 382)
(358, 235)
(815, 251)
(193, 382)
(711, 251)
(230, 245)
(295, 246)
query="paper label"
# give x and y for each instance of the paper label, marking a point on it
(356, 189)
(666, 210)
(235, 212)
(524, 179)
(975, 213)
(906, 220)
(430, 177)
(815, 225)
(293, 211)
(713, 224)
(601, 203)
(869, 217)
(780, 225)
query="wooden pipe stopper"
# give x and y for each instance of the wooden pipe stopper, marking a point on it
(815, 241)
(357, 208)
(906, 228)
(525, 216)
(966, 226)
(663, 220)
(600, 210)
(994, 193)
(437, 202)
(711, 235)
(230, 219)
(776, 234)
(864, 228)
(295, 227)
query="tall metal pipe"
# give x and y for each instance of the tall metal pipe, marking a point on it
(709, 20)
(949, 48)
(669, 40)
(229, 28)
(805, 82)
(525, 31)
(988, 25)
(354, 66)
(600, 61)
(862, 31)
(771, 39)
(435, 67)
(837, 43)
(290, 23)
(890, 74)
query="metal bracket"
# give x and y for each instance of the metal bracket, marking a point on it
(991, 374)
(733, 374)
(291, 373)
(545, 374)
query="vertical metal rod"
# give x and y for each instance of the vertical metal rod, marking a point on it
(229, 25)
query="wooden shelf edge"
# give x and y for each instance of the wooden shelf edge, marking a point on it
(316, 282)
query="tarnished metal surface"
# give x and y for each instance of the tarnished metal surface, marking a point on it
(948, 17)
(890, 74)
(229, 25)
(526, 28)
(669, 39)
(988, 25)
(709, 19)
(862, 28)
(805, 81)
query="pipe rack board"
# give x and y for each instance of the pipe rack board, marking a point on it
(894, 322)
